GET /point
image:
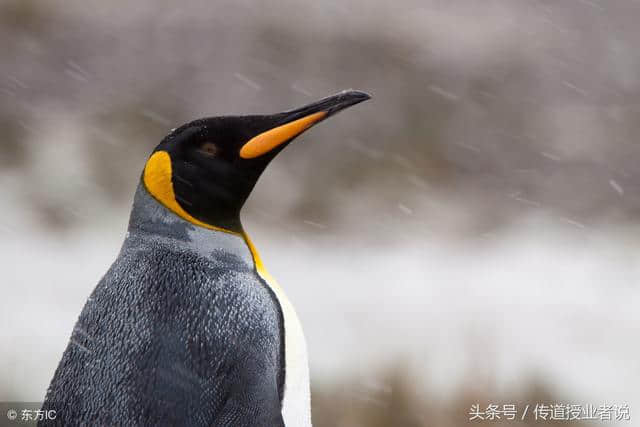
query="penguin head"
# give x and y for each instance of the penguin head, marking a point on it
(204, 170)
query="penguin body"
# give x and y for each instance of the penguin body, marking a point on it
(180, 331)
(187, 327)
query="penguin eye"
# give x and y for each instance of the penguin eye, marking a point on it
(208, 149)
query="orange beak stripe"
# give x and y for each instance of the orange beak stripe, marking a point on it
(267, 141)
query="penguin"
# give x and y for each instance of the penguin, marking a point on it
(187, 327)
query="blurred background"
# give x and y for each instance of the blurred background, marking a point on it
(468, 236)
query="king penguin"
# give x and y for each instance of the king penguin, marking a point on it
(187, 327)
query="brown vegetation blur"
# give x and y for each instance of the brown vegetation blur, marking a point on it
(495, 108)
(393, 400)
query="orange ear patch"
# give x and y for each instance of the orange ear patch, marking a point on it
(267, 141)
(157, 180)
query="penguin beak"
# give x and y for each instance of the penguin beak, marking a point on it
(290, 124)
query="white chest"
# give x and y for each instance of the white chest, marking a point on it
(296, 404)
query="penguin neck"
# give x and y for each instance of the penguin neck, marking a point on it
(152, 221)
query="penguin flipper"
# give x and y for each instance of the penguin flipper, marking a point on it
(250, 400)
(233, 348)
(247, 355)
(234, 366)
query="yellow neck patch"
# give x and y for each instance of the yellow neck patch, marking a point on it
(267, 141)
(259, 265)
(157, 180)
